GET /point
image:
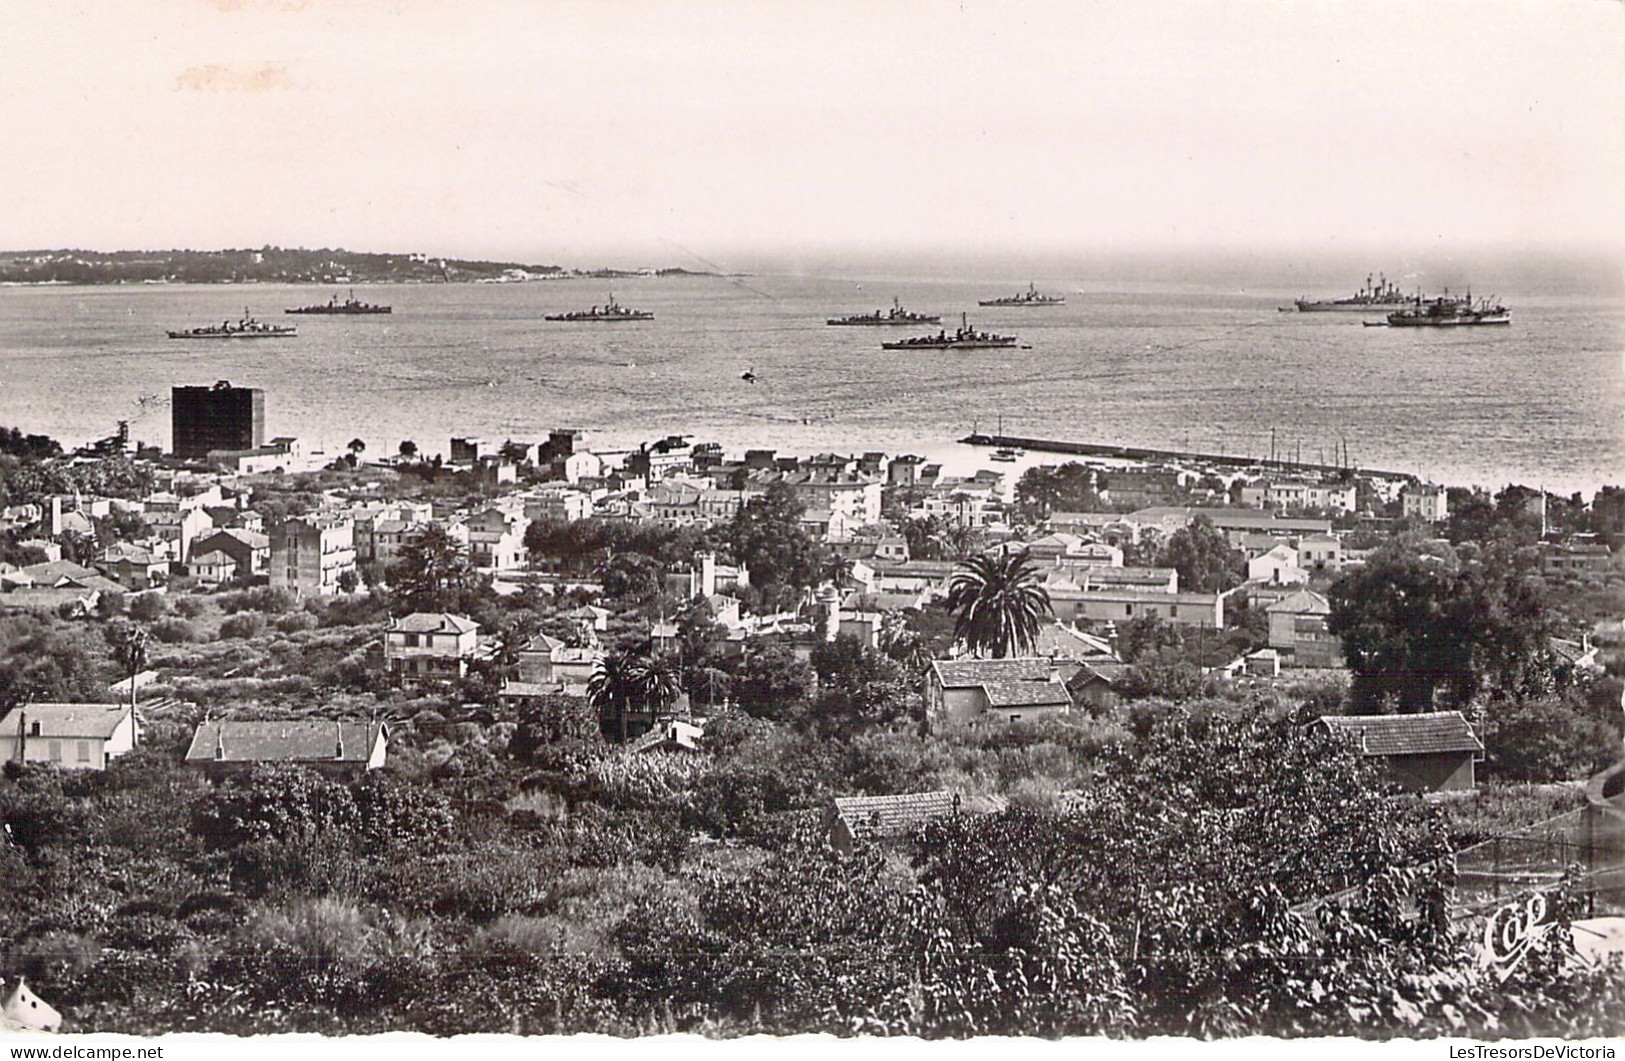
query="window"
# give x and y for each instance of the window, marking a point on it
(411, 640)
(84, 751)
(56, 751)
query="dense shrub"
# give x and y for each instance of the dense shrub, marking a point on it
(148, 607)
(190, 607)
(272, 600)
(176, 631)
(295, 622)
(243, 625)
(1547, 742)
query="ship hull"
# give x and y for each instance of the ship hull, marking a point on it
(599, 320)
(325, 312)
(948, 346)
(1347, 307)
(244, 335)
(1024, 304)
(1458, 322)
(882, 323)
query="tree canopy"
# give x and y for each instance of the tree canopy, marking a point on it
(999, 603)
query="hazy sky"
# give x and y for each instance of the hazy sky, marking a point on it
(575, 131)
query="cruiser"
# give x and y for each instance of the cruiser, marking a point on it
(896, 315)
(610, 312)
(1447, 312)
(247, 328)
(964, 338)
(1029, 297)
(351, 305)
(1381, 295)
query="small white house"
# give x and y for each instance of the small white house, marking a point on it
(72, 736)
(1278, 567)
(213, 568)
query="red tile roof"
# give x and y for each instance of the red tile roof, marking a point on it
(1429, 733)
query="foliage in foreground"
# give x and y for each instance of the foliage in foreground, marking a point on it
(559, 893)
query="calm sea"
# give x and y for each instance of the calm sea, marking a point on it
(1203, 361)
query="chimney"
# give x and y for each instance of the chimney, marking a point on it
(219, 742)
(338, 740)
(56, 516)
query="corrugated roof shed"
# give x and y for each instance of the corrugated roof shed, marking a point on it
(1429, 733)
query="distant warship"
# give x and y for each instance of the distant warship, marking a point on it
(247, 328)
(896, 315)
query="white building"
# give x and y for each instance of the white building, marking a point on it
(1427, 501)
(429, 646)
(72, 736)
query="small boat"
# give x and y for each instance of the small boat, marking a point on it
(896, 315)
(246, 328)
(609, 313)
(1029, 297)
(350, 306)
(1007, 455)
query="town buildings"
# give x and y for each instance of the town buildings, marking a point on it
(313, 555)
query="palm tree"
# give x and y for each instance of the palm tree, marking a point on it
(656, 681)
(129, 645)
(836, 568)
(999, 603)
(613, 684)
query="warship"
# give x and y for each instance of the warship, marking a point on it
(896, 315)
(1381, 295)
(963, 338)
(247, 328)
(1029, 297)
(609, 313)
(1447, 312)
(333, 307)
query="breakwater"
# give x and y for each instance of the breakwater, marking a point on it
(1141, 453)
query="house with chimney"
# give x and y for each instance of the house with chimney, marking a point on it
(133, 567)
(429, 647)
(71, 736)
(336, 748)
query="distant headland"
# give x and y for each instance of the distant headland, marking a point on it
(281, 265)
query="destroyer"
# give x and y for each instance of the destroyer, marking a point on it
(333, 306)
(247, 328)
(1378, 296)
(1447, 312)
(964, 338)
(896, 315)
(1029, 297)
(608, 313)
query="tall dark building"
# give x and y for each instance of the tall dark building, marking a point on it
(217, 417)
